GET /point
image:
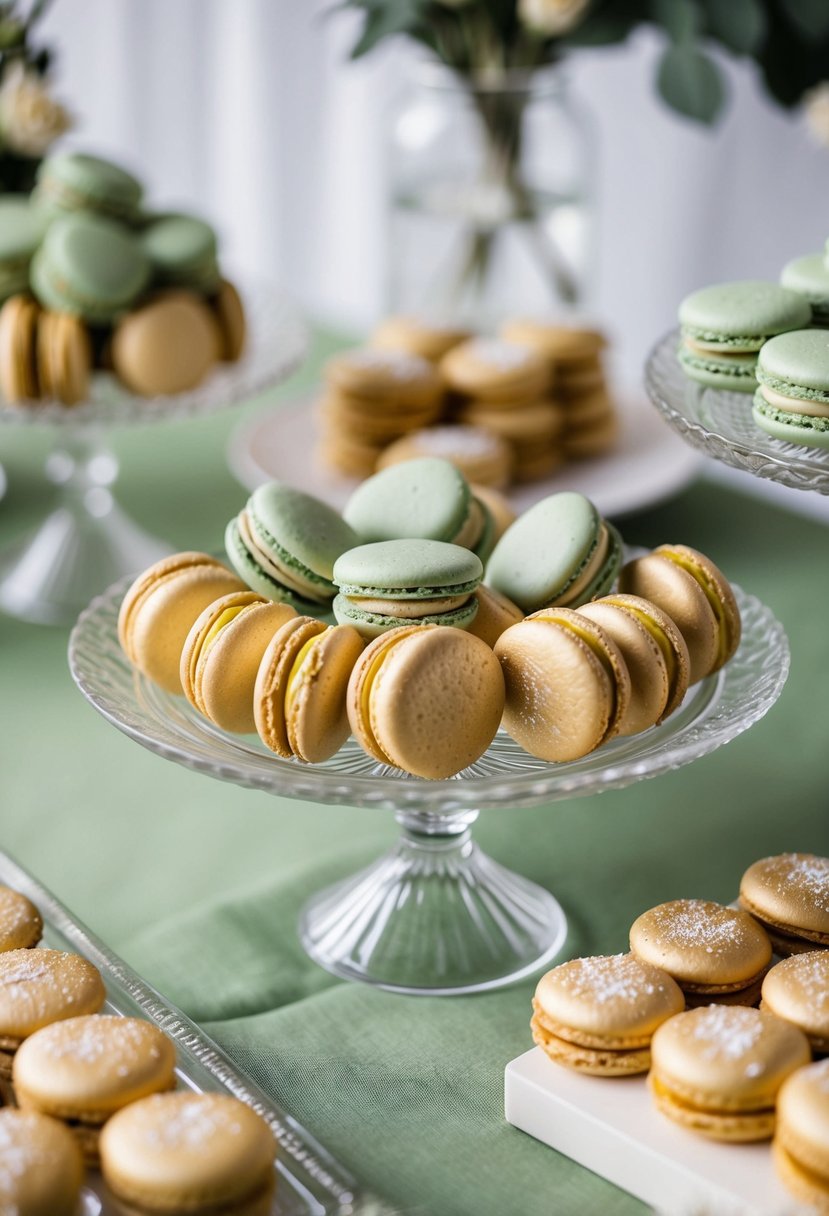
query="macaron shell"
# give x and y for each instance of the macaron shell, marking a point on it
(790, 891)
(388, 374)
(498, 506)
(18, 367)
(166, 347)
(593, 1061)
(272, 679)
(702, 944)
(21, 925)
(731, 1127)
(429, 339)
(615, 1000)
(797, 363)
(718, 592)
(797, 990)
(807, 1185)
(305, 529)
(747, 308)
(677, 593)
(48, 1172)
(560, 343)
(736, 374)
(803, 1119)
(643, 659)
(495, 615)
(803, 429)
(230, 313)
(38, 987)
(318, 723)
(426, 498)
(668, 638)
(491, 368)
(64, 357)
(90, 266)
(356, 698)
(407, 569)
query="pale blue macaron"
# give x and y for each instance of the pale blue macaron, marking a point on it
(558, 553)
(409, 581)
(792, 402)
(809, 276)
(284, 544)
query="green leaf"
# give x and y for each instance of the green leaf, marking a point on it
(679, 18)
(690, 83)
(810, 18)
(740, 25)
(395, 17)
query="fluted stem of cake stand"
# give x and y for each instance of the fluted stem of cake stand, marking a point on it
(434, 916)
(86, 543)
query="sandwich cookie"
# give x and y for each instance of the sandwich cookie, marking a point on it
(160, 607)
(797, 990)
(717, 1070)
(284, 545)
(182, 252)
(792, 402)
(22, 228)
(221, 655)
(75, 181)
(229, 312)
(567, 686)
(533, 432)
(84, 1069)
(299, 699)
(568, 347)
(717, 955)
(198, 1153)
(789, 896)
(494, 616)
(167, 346)
(428, 499)
(809, 275)
(426, 699)
(654, 652)
(418, 336)
(406, 582)
(598, 1015)
(64, 357)
(697, 597)
(19, 379)
(560, 553)
(490, 369)
(801, 1137)
(38, 987)
(385, 377)
(41, 1170)
(89, 266)
(723, 327)
(21, 925)
(481, 455)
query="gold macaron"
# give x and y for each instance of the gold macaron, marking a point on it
(495, 615)
(21, 925)
(789, 895)
(598, 1015)
(797, 990)
(801, 1138)
(41, 1170)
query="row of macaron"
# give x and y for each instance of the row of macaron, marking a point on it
(768, 339)
(719, 1067)
(90, 1090)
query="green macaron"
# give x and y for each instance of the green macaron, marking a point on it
(284, 544)
(559, 553)
(183, 252)
(792, 402)
(725, 325)
(75, 181)
(90, 266)
(809, 276)
(22, 228)
(409, 581)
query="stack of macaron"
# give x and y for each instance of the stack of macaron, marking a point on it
(426, 337)
(90, 279)
(589, 421)
(479, 453)
(84, 1089)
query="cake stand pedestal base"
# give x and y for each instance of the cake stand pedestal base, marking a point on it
(434, 917)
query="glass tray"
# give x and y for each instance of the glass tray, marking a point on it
(720, 423)
(309, 1180)
(435, 915)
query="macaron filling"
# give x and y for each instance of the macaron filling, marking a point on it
(294, 676)
(707, 341)
(276, 565)
(410, 612)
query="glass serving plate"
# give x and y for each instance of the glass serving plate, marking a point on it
(720, 423)
(435, 915)
(88, 541)
(309, 1181)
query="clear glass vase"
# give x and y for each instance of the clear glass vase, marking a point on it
(490, 190)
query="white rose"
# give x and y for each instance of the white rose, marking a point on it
(30, 120)
(816, 108)
(551, 17)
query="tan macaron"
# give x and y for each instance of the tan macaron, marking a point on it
(392, 375)
(189, 1152)
(166, 346)
(41, 1170)
(558, 343)
(221, 655)
(490, 368)
(300, 691)
(64, 357)
(160, 607)
(38, 987)
(21, 925)
(495, 615)
(503, 516)
(426, 699)
(797, 990)
(230, 314)
(801, 1137)
(567, 685)
(18, 349)
(715, 954)
(84, 1069)
(717, 1070)
(418, 336)
(696, 595)
(598, 1015)
(483, 457)
(789, 895)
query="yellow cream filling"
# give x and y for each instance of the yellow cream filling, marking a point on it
(292, 686)
(365, 692)
(200, 653)
(661, 639)
(795, 405)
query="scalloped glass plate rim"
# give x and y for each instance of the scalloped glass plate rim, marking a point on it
(721, 707)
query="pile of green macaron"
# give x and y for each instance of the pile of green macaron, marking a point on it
(83, 245)
(769, 339)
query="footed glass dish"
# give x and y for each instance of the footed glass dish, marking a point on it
(435, 915)
(721, 424)
(88, 541)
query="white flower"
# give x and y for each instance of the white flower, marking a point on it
(816, 109)
(30, 120)
(551, 17)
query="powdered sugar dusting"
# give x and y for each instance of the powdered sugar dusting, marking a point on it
(728, 1033)
(398, 364)
(613, 977)
(20, 1154)
(36, 982)
(504, 356)
(699, 923)
(809, 872)
(807, 975)
(192, 1122)
(449, 441)
(17, 915)
(122, 1042)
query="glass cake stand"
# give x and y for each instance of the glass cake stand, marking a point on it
(88, 541)
(435, 915)
(720, 424)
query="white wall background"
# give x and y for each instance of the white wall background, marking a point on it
(248, 111)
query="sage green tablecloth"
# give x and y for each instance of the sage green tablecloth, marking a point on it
(198, 884)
